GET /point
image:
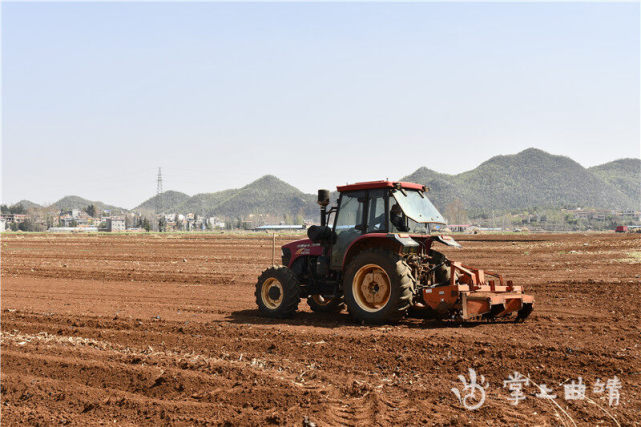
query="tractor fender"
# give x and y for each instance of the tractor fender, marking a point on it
(374, 240)
(294, 250)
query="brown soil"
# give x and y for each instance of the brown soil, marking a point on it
(148, 329)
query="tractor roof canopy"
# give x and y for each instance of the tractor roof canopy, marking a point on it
(380, 184)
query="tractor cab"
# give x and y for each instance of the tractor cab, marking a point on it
(378, 209)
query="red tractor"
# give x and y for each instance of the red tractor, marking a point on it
(377, 259)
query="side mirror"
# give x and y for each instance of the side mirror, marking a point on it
(323, 197)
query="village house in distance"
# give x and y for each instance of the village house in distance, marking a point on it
(92, 219)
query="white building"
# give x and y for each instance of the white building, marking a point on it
(115, 225)
(214, 222)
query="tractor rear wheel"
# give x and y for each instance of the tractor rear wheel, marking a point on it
(320, 304)
(378, 286)
(277, 292)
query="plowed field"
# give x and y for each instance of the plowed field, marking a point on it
(149, 329)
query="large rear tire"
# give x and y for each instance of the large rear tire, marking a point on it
(378, 286)
(277, 292)
(320, 304)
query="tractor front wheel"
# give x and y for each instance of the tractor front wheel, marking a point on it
(320, 304)
(378, 286)
(277, 292)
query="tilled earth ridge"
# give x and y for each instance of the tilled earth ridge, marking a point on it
(163, 329)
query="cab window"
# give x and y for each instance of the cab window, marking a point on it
(376, 222)
(348, 224)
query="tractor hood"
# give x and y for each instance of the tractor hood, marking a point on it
(447, 240)
(298, 248)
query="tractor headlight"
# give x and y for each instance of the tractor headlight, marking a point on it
(286, 255)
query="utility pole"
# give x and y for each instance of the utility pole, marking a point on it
(157, 223)
(159, 193)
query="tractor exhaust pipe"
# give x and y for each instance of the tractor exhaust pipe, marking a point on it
(323, 201)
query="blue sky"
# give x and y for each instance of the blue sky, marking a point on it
(96, 96)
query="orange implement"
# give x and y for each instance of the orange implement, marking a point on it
(470, 294)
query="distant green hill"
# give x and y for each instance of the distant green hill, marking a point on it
(205, 203)
(170, 200)
(267, 195)
(443, 188)
(28, 204)
(536, 178)
(531, 178)
(624, 174)
(76, 202)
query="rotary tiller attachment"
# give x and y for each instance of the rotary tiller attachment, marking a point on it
(470, 295)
